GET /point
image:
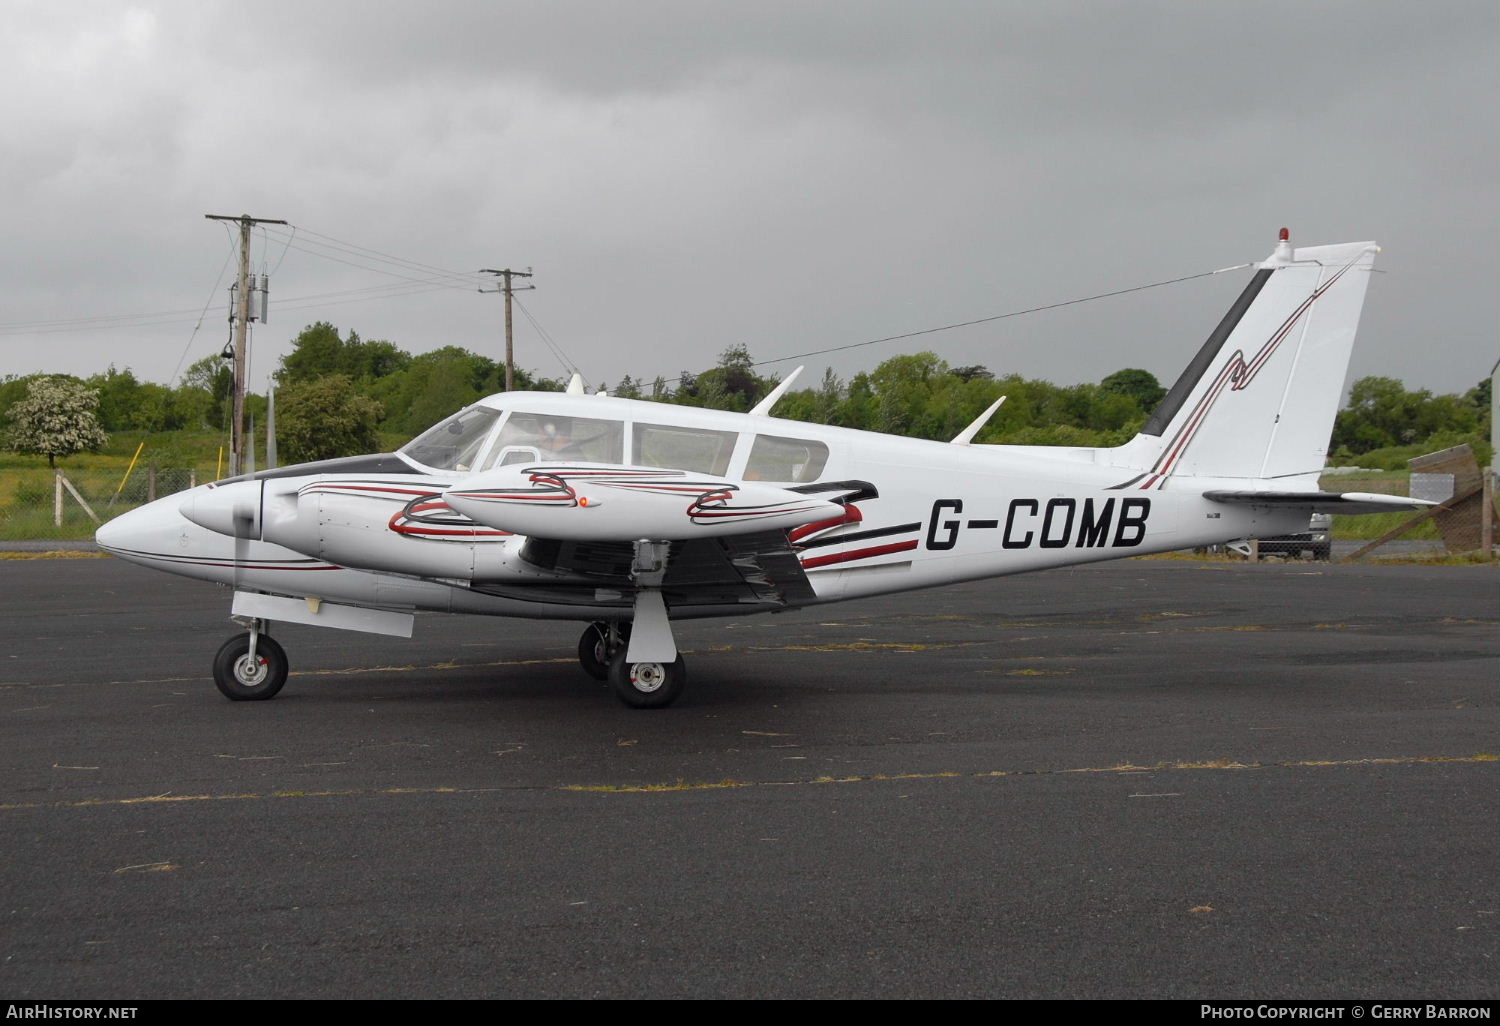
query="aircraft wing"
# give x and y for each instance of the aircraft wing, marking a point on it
(1321, 502)
(727, 540)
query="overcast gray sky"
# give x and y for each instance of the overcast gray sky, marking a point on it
(687, 176)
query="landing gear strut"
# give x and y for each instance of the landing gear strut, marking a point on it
(598, 645)
(638, 657)
(647, 672)
(648, 684)
(250, 667)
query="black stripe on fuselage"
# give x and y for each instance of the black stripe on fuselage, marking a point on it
(878, 532)
(857, 490)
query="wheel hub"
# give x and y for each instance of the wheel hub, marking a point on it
(647, 677)
(251, 672)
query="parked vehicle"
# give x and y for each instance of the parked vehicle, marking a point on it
(1317, 540)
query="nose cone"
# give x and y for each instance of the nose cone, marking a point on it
(145, 534)
(231, 509)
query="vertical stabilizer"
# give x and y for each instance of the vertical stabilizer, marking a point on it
(1258, 401)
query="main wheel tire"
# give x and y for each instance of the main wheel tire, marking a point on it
(647, 685)
(593, 648)
(1323, 552)
(243, 681)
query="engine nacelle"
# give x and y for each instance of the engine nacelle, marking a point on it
(392, 524)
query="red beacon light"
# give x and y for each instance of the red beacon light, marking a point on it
(1284, 252)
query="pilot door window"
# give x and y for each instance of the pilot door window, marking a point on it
(774, 458)
(534, 437)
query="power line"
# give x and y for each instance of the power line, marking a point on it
(184, 316)
(228, 256)
(415, 277)
(465, 284)
(288, 246)
(998, 317)
(568, 366)
(448, 272)
(460, 279)
(359, 296)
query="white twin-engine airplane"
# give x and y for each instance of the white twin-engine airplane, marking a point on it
(627, 515)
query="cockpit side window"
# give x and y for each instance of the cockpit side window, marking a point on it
(775, 458)
(455, 443)
(562, 439)
(682, 448)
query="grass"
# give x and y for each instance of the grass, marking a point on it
(1369, 526)
(55, 554)
(27, 485)
(1475, 558)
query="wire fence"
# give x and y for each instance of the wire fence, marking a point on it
(40, 504)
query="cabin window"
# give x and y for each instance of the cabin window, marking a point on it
(563, 439)
(683, 448)
(775, 458)
(455, 443)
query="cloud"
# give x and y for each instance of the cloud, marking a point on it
(687, 176)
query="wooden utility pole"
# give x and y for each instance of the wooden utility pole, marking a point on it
(1487, 507)
(241, 329)
(510, 354)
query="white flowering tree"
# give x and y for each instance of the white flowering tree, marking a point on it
(58, 417)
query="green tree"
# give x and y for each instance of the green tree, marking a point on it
(903, 385)
(213, 380)
(731, 385)
(318, 351)
(1140, 386)
(370, 361)
(1381, 413)
(1479, 396)
(127, 404)
(324, 419)
(432, 386)
(58, 417)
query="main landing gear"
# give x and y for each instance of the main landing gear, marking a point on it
(638, 658)
(646, 684)
(250, 667)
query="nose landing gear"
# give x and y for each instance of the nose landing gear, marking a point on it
(250, 667)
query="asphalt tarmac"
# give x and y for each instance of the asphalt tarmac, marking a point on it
(1139, 779)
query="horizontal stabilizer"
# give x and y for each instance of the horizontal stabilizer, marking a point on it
(1322, 502)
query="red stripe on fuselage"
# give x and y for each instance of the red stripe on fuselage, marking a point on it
(845, 557)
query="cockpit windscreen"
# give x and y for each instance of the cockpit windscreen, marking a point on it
(455, 443)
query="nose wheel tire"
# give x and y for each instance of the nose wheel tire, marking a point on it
(646, 685)
(594, 652)
(244, 680)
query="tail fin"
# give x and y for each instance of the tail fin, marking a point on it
(1258, 401)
